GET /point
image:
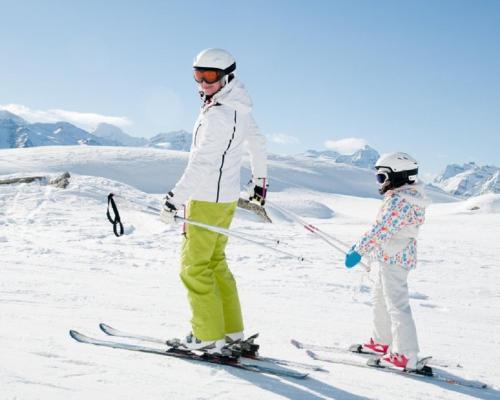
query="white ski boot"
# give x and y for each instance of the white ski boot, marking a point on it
(191, 342)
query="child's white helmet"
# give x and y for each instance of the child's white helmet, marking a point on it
(395, 170)
(397, 162)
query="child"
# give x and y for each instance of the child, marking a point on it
(392, 240)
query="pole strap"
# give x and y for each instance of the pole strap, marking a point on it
(116, 221)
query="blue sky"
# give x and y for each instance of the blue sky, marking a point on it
(418, 76)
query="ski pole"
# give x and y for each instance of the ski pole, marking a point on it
(230, 233)
(308, 226)
(227, 232)
(318, 232)
(155, 211)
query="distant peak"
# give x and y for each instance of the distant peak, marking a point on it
(4, 114)
(364, 157)
(469, 179)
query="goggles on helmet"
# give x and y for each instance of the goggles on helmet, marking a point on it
(382, 177)
(208, 75)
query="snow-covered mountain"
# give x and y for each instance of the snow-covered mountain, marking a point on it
(16, 132)
(363, 158)
(4, 114)
(469, 179)
(177, 140)
(115, 134)
(60, 133)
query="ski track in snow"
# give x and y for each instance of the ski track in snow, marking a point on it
(62, 268)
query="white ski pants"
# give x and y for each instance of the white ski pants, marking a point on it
(392, 318)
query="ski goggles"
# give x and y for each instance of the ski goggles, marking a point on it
(382, 177)
(208, 75)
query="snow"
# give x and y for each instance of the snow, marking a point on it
(62, 268)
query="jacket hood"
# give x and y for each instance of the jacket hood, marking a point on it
(234, 95)
(414, 194)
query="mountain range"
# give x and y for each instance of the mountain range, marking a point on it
(469, 179)
(15, 132)
(365, 157)
(464, 180)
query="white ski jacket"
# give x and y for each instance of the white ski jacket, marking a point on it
(223, 128)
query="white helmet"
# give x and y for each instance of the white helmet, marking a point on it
(395, 170)
(397, 162)
(215, 59)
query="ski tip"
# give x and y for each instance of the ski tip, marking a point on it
(105, 328)
(296, 343)
(311, 354)
(75, 335)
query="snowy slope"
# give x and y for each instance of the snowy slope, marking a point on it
(62, 268)
(157, 170)
(160, 169)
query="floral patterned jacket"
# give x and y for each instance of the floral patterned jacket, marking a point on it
(393, 237)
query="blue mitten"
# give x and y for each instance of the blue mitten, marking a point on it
(352, 258)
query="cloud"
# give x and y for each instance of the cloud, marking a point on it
(281, 138)
(346, 146)
(88, 121)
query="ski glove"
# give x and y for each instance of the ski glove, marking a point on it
(352, 258)
(257, 190)
(169, 210)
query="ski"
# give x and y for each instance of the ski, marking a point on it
(374, 363)
(358, 349)
(189, 355)
(108, 330)
(318, 347)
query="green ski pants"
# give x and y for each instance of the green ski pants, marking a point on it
(212, 292)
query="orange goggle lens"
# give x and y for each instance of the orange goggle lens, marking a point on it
(208, 75)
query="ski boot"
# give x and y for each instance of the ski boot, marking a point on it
(409, 364)
(192, 343)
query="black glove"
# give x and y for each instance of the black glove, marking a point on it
(169, 210)
(258, 190)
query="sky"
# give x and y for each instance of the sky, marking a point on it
(415, 76)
